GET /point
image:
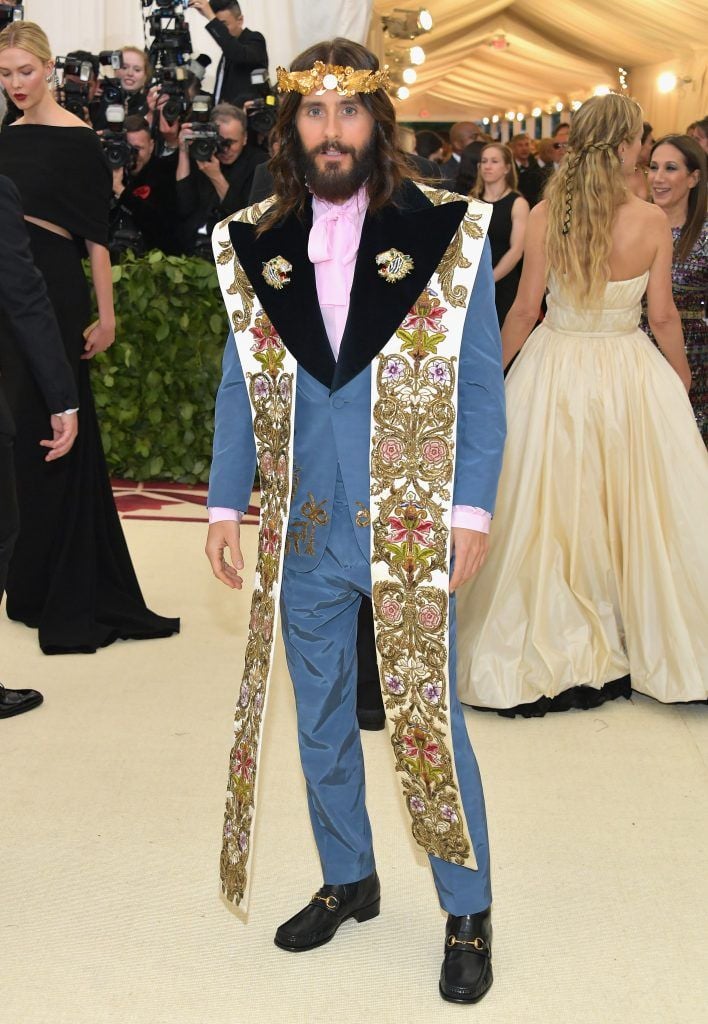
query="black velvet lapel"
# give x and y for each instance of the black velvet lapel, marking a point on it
(377, 308)
(294, 310)
(412, 224)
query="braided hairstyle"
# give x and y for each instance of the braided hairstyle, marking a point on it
(584, 194)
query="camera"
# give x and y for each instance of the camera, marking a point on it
(175, 83)
(172, 43)
(119, 152)
(262, 110)
(10, 10)
(204, 141)
(112, 91)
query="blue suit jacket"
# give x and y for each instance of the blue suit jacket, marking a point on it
(333, 403)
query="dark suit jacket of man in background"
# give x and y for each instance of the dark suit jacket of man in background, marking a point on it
(240, 56)
(29, 315)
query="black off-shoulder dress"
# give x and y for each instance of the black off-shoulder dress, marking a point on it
(71, 576)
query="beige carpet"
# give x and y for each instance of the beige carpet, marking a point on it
(111, 816)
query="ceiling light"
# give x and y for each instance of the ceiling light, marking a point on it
(495, 119)
(407, 24)
(485, 120)
(520, 116)
(409, 75)
(575, 105)
(559, 106)
(667, 81)
(510, 115)
(403, 92)
(536, 112)
(498, 42)
(417, 55)
(601, 90)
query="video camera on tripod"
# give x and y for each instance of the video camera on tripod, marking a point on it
(172, 40)
(12, 11)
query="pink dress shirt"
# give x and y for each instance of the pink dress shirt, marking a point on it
(332, 248)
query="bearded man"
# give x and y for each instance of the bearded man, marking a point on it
(365, 357)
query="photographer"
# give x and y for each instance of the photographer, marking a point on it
(144, 194)
(242, 49)
(169, 105)
(209, 190)
(135, 76)
(82, 92)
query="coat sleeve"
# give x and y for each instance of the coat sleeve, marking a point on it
(249, 50)
(233, 464)
(481, 416)
(23, 296)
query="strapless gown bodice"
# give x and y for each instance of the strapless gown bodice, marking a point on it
(618, 313)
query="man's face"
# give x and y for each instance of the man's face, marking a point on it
(560, 144)
(143, 146)
(336, 135)
(462, 134)
(234, 133)
(233, 22)
(702, 139)
(521, 149)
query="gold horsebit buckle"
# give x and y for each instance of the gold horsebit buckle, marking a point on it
(331, 902)
(477, 944)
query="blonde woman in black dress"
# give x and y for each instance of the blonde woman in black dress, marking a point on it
(70, 576)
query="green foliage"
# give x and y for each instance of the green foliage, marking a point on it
(155, 387)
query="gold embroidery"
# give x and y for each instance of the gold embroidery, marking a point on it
(303, 532)
(454, 257)
(412, 465)
(363, 516)
(271, 393)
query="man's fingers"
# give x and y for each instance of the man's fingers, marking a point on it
(219, 541)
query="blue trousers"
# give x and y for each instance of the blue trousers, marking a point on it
(319, 614)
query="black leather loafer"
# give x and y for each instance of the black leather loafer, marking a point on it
(466, 973)
(318, 922)
(14, 702)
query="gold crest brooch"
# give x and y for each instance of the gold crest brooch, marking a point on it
(276, 271)
(394, 265)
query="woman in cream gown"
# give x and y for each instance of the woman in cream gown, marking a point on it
(597, 577)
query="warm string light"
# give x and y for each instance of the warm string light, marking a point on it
(622, 74)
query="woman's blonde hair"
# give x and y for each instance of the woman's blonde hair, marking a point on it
(585, 192)
(511, 177)
(27, 35)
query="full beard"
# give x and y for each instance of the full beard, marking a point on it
(331, 183)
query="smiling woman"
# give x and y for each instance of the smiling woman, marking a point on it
(677, 179)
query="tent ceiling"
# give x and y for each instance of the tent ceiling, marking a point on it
(556, 51)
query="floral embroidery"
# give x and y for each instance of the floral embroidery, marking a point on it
(412, 465)
(301, 532)
(270, 391)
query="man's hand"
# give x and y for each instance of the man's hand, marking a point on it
(65, 427)
(223, 535)
(204, 7)
(212, 169)
(470, 550)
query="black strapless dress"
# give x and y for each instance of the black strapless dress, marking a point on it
(71, 576)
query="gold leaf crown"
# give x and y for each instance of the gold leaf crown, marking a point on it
(323, 77)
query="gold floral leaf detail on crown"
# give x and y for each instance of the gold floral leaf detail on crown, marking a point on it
(321, 77)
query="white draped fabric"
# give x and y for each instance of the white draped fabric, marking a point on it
(555, 52)
(288, 27)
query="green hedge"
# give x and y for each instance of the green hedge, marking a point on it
(155, 387)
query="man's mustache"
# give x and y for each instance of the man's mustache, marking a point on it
(329, 147)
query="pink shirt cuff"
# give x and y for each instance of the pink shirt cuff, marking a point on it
(467, 517)
(221, 515)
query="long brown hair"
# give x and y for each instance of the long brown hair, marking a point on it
(585, 192)
(695, 160)
(390, 165)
